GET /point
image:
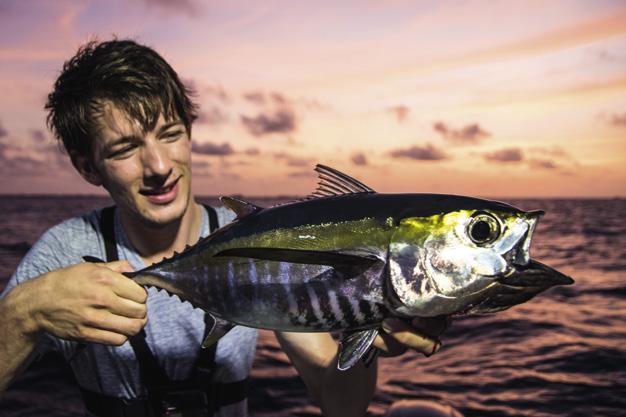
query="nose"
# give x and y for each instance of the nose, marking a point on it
(156, 161)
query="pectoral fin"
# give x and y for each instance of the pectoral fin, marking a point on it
(346, 263)
(354, 346)
(219, 329)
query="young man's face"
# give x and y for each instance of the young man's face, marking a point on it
(148, 174)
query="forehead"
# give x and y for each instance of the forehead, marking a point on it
(113, 123)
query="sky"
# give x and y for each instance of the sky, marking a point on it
(482, 98)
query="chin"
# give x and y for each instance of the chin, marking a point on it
(163, 215)
(169, 214)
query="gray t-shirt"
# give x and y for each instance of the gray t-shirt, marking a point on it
(174, 330)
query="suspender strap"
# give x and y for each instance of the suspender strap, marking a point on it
(107, 228)
(106, 406)
(161, 389)
(205, 364)
(151, 373)
(226, 394)
(213, 223)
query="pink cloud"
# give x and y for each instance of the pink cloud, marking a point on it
(505, 155)
(293, 161)
(189, 7)
(281, 121)
(618, 120)
(427, 152)
(359, 159)
(209, 148)
(468, 134)
(542, 164)
(401, 112)
(214, 116)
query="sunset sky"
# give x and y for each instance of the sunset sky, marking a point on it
(497, 99)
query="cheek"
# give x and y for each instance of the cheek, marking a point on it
(121, 175)
(182, 153)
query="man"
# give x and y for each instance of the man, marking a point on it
(125, 119)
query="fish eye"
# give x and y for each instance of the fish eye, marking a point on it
(483, 228)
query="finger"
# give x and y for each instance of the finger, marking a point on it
(119, 266)
(431, 326)
(410, 337)
(388, 346)
(105, 320)
(127, 308)
(104, 337)
(127, 288)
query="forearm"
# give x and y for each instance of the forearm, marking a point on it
(18, 333)
(347, 393)
(338, 393)
(87, 303)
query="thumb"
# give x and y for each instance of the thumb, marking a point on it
(119, 266)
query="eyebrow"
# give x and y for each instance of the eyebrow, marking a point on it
(121, 139)
(169, 125)
(131, 138)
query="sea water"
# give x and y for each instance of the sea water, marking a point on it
(561, 354)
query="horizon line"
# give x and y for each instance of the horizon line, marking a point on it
(295, 196)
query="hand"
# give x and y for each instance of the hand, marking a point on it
(89, 302)
(420, 334)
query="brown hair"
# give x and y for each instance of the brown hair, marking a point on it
(131, 76)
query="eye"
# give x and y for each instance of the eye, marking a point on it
(483, 228)
(121, 152)
(172, 136)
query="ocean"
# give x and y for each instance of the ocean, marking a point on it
(561, 354)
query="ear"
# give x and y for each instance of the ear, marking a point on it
(86, 169)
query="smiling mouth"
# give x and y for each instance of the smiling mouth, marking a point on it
(161, 190)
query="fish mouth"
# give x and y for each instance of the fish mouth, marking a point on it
(535, 274)
(518, 287)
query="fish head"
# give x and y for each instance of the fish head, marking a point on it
(445, 263)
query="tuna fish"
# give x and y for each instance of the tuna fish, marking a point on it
(346, 257)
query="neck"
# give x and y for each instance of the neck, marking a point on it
(155, 242)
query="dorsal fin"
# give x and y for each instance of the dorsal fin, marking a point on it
(241, 207)
(332, 182)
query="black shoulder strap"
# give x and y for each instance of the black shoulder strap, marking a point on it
(152, 375)
(107, 228)
(213, 223)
